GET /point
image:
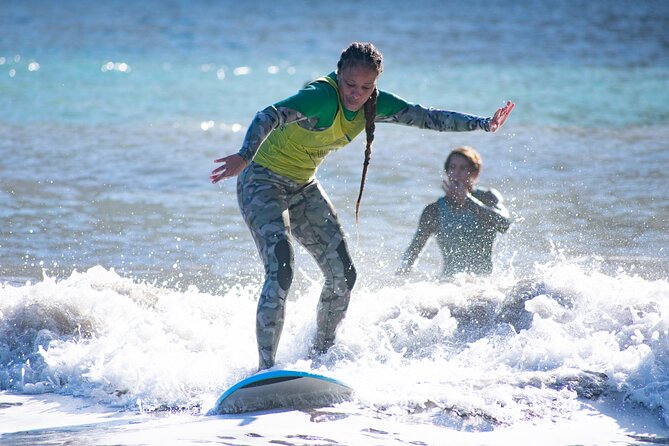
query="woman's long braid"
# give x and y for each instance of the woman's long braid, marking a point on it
(370, 115)
(364, 54)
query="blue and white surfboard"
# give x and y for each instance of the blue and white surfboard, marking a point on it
(287, 389)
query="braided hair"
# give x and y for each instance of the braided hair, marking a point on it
(366, 55)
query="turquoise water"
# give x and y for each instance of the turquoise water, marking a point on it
(126, 105)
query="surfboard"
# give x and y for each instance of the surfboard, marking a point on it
(286, 389)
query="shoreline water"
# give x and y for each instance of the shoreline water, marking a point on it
(61, 419)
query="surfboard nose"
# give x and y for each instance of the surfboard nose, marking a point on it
(285, 389)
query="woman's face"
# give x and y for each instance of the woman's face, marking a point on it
(356, 85)
(460, 172)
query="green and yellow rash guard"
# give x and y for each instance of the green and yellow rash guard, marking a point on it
(293, 136)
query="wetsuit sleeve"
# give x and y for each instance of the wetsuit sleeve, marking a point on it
(262, 125)
(427, 225)
(393, 109)
(488, 206)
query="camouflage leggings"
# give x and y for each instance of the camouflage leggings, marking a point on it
(276, 209)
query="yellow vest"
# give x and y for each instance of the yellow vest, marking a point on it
(296, 153)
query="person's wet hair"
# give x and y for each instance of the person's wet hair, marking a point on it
(470, 154)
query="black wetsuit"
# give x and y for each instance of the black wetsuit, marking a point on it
(465, 234)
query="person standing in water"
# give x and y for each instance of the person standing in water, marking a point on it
(465, 220)
(281, 199)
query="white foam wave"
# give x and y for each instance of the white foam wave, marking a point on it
(473, 353)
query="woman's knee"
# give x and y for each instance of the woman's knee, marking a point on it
(350, 274)
(283, 252)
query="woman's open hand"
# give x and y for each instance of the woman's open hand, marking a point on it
(500, 116)
(231, 166)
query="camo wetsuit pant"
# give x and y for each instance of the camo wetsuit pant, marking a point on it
(276, 209)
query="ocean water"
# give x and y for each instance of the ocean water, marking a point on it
(129, 282)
